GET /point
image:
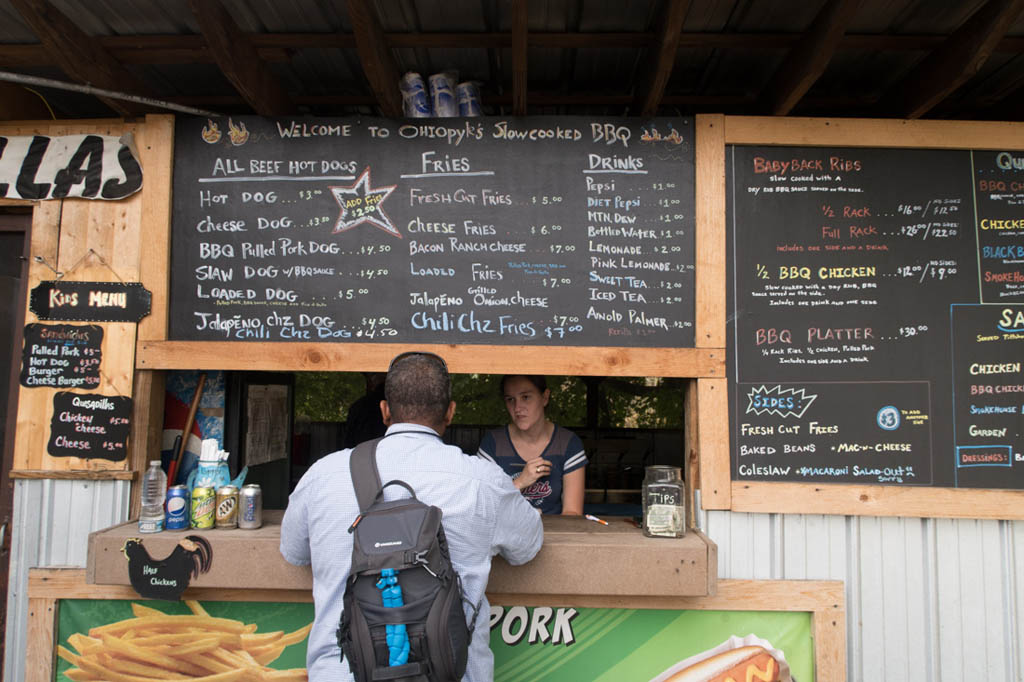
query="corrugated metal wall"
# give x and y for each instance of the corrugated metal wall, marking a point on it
(52, 522)
(939, 600)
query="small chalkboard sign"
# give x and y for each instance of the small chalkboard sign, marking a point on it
(90, 426)
(90, 301)
(167, 578)
(61, 356)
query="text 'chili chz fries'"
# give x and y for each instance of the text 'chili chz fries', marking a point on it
(155, 646)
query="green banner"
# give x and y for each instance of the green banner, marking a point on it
(529, 644)
(612, 645)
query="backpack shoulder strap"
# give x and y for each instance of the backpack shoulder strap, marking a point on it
(365, 477)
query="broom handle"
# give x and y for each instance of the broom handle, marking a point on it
(193, 408)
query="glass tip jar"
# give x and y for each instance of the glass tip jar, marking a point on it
(664, 502)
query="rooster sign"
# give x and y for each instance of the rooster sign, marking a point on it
(167, 578)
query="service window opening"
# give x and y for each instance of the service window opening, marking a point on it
(625, 423)
(279, 423)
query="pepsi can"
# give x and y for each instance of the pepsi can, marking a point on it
(468, 95)
(176, 511)
(442, 95)
(414, 96)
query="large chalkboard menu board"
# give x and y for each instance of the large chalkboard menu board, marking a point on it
(876, 328)
(547, 231)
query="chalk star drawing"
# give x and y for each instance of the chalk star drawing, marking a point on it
(360, 203)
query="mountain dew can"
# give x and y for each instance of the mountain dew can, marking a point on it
(204, 500)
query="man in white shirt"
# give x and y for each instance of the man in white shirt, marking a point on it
(484, 514)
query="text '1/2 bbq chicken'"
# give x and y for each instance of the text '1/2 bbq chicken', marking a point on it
(167, 578)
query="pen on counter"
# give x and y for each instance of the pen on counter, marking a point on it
(591, 517)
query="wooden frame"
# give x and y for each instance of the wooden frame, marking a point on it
(705, 362)
(875, 500)
(824, 599)
(77, 236)
(98, 240)
(461, 358)
(706, 359)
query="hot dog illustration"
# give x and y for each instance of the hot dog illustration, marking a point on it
(745, 664)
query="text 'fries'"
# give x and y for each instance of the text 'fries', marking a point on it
(155, 646)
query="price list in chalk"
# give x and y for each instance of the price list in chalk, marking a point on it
(988, 394)
(563, 231)
(845, 263)
(999, 194)
(61, 356)
(90, 426)
(857, 274)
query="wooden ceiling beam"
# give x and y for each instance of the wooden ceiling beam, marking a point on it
(375, 55)
(80, 56)
(543, 98)
(661, 58)
(960, 57)
(278, 47)
(520, 43)
(808, 60)
(238, 60)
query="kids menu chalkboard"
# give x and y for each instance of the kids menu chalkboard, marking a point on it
(62, 356)
(547, 231)
(876, 327)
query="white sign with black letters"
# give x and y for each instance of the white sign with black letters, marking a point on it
(88, 166)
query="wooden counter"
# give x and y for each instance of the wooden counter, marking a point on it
(579, 557)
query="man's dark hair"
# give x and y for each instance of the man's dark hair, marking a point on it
(418, 389)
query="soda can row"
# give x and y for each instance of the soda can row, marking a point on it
(205, 508)
(440, 97)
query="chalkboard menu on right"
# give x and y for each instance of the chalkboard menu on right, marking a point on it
(876, 326)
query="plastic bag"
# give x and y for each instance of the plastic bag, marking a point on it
(214, 475)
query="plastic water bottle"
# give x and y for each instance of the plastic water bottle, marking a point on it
(154, 489)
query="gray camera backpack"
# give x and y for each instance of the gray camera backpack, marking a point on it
(400, 543)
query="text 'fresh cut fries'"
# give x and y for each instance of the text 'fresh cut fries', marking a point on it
(156, 646)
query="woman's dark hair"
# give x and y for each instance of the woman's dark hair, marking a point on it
(539, 382)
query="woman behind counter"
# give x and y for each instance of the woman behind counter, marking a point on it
(546, 461)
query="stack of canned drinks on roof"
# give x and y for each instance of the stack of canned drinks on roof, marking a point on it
(440, 97)
(204, 508)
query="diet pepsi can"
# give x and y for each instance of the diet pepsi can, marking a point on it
(250, 506)
(414, 96)
(468, 95)
(442, 95)
(176, 510)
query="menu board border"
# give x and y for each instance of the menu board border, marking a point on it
(706, 359)
(854, 500)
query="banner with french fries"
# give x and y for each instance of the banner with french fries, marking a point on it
(228, 641)
(121, 641)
